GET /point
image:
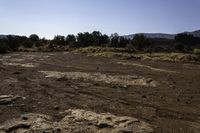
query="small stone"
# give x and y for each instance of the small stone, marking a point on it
(187, 102)
(149, 80)
(124, 131)
(104, 125)
(24, 118)
(62, 79)
(125, 86)
(7, 99)
(114, 86)
(96, 84)
(56, 107)
(108, 118)
(171, 86)
(17, 73)
(24, 98)
(58, 130)
(144, 96)
(34, 107)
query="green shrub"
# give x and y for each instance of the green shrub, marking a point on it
(28, 44)
(179, 47)
(3, 48)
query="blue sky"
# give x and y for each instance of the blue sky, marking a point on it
(52, 17)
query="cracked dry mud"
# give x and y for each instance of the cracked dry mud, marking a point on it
(68, 92)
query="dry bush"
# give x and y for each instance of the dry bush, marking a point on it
(196, 51)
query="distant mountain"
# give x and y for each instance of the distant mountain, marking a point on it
(153, 35)
(194, 33)
(5, 36)
(163, 35)
(2, 36)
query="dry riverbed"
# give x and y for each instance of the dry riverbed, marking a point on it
(69, 92)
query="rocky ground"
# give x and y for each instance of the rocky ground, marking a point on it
(68, 92)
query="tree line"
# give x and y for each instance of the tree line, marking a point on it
(186, 42)
(139, 42)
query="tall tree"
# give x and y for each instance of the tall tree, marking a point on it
(13, 42)
(114, 40)
(185, 39)
(71, 40)
(85, 39)
(96, 38)
(58, 40)
(104, 40)
(123, 42)
(34, 38)
(140, 42)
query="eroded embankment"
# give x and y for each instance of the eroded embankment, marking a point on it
(76, 121)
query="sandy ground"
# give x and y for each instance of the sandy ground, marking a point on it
(163, 94)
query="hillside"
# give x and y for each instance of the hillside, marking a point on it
(163, 35)
(194, 33)
(2, 36)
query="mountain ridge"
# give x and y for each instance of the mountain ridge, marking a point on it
(2, 36)
(195, 33)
